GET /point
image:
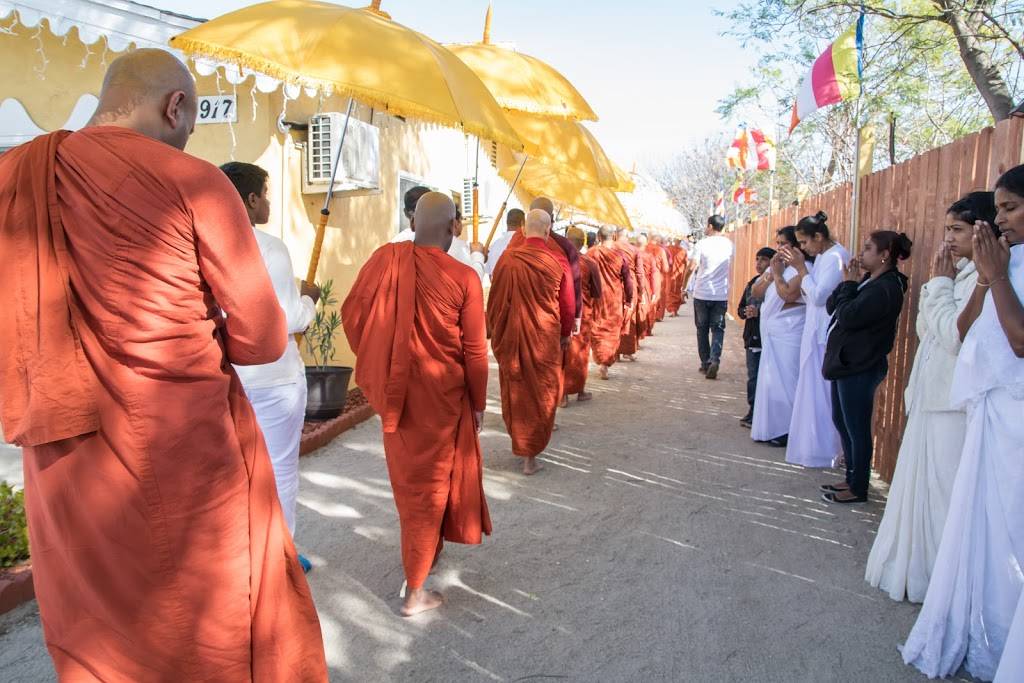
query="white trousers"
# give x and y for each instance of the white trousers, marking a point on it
(280, 411)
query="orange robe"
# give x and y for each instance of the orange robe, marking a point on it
(677, 279)
(524, 320)
(577, 356)
(629, 342)
(415, 320)
(653, 272)
(606, 328)
(664, 270)
(159, 549)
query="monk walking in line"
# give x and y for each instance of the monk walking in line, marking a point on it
(664, 261)
(530, 317)
(415, 320)
(616, 299)
(132, 281)
(652, 267)
(674, 299)
(577, 356)
(629, 342)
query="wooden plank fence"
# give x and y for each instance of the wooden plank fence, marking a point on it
(911, 197)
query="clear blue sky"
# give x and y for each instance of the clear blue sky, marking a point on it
(653, 70)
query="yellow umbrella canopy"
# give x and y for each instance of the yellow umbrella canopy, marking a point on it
(356, 52)
(568, 144)
(522, 82)
(540, 179)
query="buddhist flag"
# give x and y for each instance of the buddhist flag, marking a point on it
(835, 75)
(751, 150)
(741, 194)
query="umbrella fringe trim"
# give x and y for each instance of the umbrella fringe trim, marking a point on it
(368, 97)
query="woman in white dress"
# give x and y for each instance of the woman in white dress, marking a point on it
(977, 578)
(908, 538)
(782, 324)
(813, 439)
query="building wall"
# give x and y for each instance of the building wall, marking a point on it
(48, 75)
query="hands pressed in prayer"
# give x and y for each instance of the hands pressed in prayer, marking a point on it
(312, 291)
(778, 265)
(853, 271)
(794, 257)
(991, 254)
(751, 311)
(943, 265)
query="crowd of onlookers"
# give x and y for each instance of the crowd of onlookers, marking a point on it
(819, 326)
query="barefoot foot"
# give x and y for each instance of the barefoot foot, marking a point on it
(421, 600)
(565, 402)
(584, 396)
(603, 372)
(532, 466)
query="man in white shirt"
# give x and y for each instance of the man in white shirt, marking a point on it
(460, 249)
(277, 390)
(514, 221)
(711, 266)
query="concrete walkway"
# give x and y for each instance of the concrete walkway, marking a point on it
(659, 544)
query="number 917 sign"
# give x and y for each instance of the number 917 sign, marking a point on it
(217, 109)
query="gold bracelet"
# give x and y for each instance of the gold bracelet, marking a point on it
(983, 285)
(986, 285)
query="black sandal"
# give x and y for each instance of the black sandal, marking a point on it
(835, 488)
(831, 498)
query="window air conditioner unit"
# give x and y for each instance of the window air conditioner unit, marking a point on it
(360, 159)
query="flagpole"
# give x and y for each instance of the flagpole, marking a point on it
(855, 198)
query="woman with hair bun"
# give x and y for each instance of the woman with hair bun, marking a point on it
(972, 614)
(908, 537)
(813, 439)
(782, 323)
(865, 311)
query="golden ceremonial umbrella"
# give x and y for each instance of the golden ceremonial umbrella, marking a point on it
(538, 178)
(522, 82)
(356, 52)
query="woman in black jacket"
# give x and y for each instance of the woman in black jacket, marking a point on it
(865, 312)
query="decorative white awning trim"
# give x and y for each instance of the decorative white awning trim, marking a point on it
(121, 22)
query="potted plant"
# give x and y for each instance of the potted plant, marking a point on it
(327, 385)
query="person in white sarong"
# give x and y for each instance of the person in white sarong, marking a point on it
(782, 324)
(813, 438)
(977, 578)
(1011, 664)
(908, 537)
(277, 391)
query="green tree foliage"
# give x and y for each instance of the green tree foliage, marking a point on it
(13, 527)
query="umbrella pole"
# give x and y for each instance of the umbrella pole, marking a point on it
(325, 213)
(504, 204)
(476, 195)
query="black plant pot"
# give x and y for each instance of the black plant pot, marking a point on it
(327, 390)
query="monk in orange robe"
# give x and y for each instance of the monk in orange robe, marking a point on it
(415, 320)
(616, 300)
(677, 279)
(661, 255)
(530, 315)
(131, 281)
(577, 357)
(629, 342)
(652, 267)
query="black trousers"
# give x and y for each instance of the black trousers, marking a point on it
(753, 365)
(853, 406)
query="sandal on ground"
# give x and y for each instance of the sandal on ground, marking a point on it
(835, 487)
(833, 498)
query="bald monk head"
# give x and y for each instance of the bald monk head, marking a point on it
(538, 224)
(641, 240)
(151, 92)
(436, 222)
(606, 233)
(545, 205)
(622, 235)
(577, 236)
